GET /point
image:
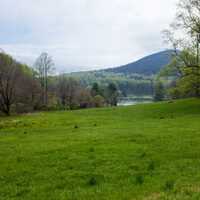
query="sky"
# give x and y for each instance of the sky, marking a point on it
(84, 34)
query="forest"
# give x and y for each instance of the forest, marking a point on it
(24, 89)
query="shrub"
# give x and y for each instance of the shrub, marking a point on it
(139, 179)
(98, 101)
(91, 149)
(151, 166)
(76, 126)
(92, 181)
(169, 185)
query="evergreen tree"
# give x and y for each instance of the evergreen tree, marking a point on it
(112, 94)
(159, 91)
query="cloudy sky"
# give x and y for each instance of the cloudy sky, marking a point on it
(84, 34)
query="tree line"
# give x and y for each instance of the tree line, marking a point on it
(25, 89)
(128, 84)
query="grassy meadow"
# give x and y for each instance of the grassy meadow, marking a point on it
(142, 152)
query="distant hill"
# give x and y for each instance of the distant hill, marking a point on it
(148, 65)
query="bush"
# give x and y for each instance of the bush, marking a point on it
(98, 101)
(151, 166)
(169, 185)
(139, 179)
(92, 181)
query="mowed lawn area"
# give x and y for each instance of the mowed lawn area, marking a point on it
(144, 152)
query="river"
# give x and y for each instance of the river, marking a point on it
(133, 101)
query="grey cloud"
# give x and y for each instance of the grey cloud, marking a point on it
(88, 33)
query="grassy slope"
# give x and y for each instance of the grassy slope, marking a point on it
(139, 152)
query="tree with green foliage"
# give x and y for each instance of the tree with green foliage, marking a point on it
(184, 68)
(98, 101)
(18, 88)
(185, 75)
(9, 74)
(159, 90)
(112, 94)
(95, 90)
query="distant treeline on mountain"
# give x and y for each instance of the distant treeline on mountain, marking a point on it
(147, 66)
(134, 79)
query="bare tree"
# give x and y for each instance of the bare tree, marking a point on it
(183, 31)
(188, 16)
(62, 89)
(44, 66)
(28, 92)
(68, 91)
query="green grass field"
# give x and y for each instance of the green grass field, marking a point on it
(144, 152)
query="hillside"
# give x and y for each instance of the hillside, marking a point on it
(147, 65)
(132, 79)
(143, 152)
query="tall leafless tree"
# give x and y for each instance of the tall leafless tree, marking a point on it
(44, 66)
(68, 91)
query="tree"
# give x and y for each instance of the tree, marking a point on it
(188, 16)
(9, 73)
(185, 75)
(98, 101)
(68, 92)
(95, 89)
(159, 91)
(28, 91)
(112, 94)
(62, 88)
(19, 89)
(185, 66)
(85, 98)
(44, 66)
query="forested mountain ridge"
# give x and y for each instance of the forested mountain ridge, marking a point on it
(132, 79)
(148, 65)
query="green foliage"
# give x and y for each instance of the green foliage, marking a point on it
(18, 87)
(184, 72)
(169, 185)
(98, 101)
(159, 91)
(151, 166)
(112, 94)
(93, 181)
(95, 90)
(128, 84)
(139, 179)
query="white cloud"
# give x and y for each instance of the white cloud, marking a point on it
(88, 33)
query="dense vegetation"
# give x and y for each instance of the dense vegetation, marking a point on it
(139, 152)
(24, 89)
(182, 76)
(128, 84)
(136, 78)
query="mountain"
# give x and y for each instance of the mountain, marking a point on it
(148, 65)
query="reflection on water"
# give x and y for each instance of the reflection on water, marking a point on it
(129, 102)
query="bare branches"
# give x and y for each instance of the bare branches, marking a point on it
(185, 65)
(44, 66)
(9, 73)
(188, 16)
